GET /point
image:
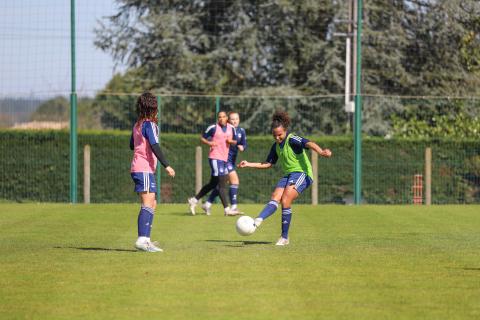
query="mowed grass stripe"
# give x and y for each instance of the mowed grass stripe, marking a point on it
(369, 262)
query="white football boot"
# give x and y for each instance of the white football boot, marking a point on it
(234, 209)
(147, 246)
(192, 203)
(207, 207)
(282, 242)
(231, 212)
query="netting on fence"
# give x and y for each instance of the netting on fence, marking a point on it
(420, 84)
(389, 161)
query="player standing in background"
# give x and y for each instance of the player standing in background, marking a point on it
(297, 170)
(144, 143)
(219, 137)
(234, 120)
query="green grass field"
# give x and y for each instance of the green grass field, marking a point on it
(61, 261)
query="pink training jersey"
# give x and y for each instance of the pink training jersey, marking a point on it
(220, 151)
(143, 158)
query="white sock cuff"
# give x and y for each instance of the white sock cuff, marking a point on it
(151, 210)
(273, 203)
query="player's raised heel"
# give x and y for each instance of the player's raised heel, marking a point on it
(282, 242)
(192, 203)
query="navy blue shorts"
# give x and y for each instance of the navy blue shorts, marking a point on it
(300, 180)
(144, 182)
(218, 167)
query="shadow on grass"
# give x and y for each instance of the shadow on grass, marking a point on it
(97, 249)
(182, 213)
(239, 242)
(471, 269)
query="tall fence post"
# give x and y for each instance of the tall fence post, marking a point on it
(198, 169)
(86, 174)
(428, 176)
(358, 113)
(217, 106)
(315, 178)
(73, 110)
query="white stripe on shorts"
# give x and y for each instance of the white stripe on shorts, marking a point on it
(300, 181)
(215, 167)
(147, 186)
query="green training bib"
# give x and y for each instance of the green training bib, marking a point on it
(292, 162)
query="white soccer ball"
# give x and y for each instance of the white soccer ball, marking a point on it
(245, 225)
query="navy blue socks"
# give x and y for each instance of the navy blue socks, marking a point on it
(233, 194)
(269, 209)
(286, 218)
(145, 220)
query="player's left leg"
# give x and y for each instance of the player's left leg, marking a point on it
(233, 190)
(207, 206)
(214, 179)
(146, 188)
(145, 222)
(298, 182)
(272, 205)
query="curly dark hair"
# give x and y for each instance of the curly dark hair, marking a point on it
(280, 119)
(147, 107)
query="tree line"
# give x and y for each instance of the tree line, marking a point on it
(288, 48)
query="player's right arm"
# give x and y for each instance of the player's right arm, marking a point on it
(256, 165)
(271, 160)
(208, 134)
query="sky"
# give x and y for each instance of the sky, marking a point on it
(35, 48)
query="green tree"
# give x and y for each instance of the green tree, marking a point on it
(224, 47)
(253, 47)
(437, 31)
(384, 45)
(453, 119)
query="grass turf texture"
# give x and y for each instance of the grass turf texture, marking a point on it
(368, 262)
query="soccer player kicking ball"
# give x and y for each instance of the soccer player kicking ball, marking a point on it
(297, 170)
(146, 151)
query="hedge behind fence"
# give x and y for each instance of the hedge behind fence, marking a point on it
(34, 166)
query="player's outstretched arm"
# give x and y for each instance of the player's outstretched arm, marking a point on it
(256, 165)
(322, 152)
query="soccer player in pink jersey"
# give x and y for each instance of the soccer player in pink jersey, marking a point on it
(144, 143)
(234, 120)
(219, 137)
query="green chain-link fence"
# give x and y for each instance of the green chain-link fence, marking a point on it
(35, 164)
(252, 57)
